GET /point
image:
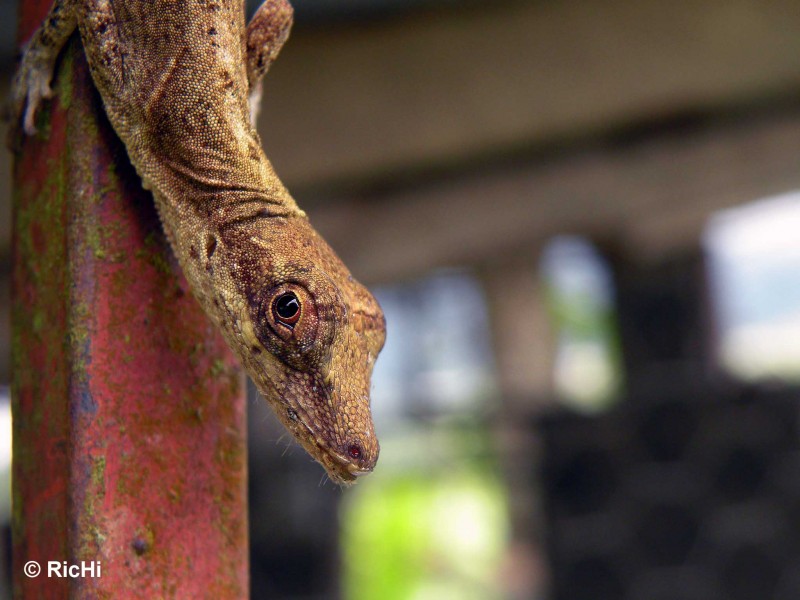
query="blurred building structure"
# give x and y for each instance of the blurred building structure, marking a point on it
(468, 134)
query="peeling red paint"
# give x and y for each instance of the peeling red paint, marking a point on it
(129, 410)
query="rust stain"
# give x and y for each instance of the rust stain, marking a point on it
(129, 410)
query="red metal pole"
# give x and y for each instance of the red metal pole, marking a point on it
(129, 410)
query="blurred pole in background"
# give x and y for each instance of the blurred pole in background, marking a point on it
(664, 318)
(524, 349)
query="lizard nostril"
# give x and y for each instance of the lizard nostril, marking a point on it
(354, 451)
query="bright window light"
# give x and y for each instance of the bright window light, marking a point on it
(5, 460)
(581, 297)
(754, 273)
(437, 358)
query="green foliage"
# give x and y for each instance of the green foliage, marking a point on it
(435, 532)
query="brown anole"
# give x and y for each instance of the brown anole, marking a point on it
(175, 78)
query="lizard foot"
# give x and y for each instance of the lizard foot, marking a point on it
(266, 33)
(30, 87)
(31, 83)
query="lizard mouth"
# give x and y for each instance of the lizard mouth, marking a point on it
(340, 468)
(344, 466)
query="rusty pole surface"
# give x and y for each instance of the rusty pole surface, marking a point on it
(129, 410)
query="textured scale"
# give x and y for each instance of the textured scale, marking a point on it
(177, 79)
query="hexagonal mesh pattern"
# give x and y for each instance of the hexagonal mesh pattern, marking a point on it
(691, 494)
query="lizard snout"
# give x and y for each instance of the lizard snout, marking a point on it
(361, 458)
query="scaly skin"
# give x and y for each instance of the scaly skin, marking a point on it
(175, 78)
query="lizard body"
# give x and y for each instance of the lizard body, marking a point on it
(175, 78)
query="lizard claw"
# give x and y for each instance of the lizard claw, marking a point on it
(38, 89)
(30, 87)
(31, 84)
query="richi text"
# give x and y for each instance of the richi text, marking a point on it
(85, 568)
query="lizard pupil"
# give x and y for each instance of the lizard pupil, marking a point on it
(354, 451)
(287, 308)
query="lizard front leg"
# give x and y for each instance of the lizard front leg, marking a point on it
(266, 33)
(31, 83)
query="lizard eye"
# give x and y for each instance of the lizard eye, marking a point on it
(289, 312)
(286, 309)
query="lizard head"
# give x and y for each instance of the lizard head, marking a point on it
(309, 335)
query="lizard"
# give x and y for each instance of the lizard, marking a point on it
(177, 80)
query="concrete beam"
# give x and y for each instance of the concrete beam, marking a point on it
(653, 197)
(370, 100)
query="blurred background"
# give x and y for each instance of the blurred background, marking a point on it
(582, 220)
